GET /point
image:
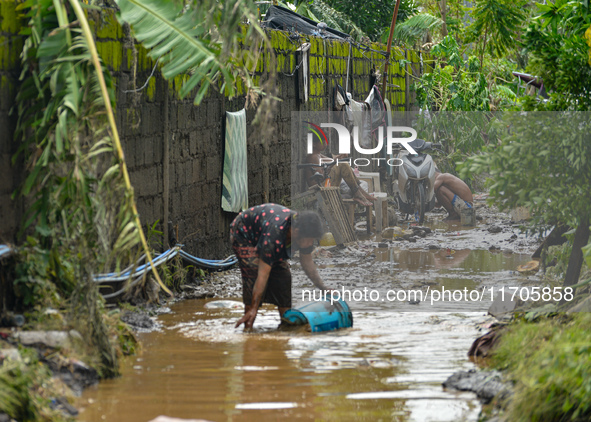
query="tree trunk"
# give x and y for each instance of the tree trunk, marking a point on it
(576, 257)
(443, 10)
(483, 46)
(555, 238)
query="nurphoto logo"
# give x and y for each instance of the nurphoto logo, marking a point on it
(344, 143)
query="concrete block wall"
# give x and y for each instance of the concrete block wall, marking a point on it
(174, 150)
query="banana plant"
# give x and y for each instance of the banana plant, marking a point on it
(81, 217)
(414, 29)
(216, 43)
(68, 135)
(320, 11)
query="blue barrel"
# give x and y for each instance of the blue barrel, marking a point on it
(322, 316)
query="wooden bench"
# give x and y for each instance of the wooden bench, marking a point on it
(329, 202)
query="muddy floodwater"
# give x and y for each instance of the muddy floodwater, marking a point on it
(388, 367)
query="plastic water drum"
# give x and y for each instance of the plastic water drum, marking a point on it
(322, 316)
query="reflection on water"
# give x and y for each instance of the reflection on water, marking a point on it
(446, 260)
(389, 367)
(418, 270)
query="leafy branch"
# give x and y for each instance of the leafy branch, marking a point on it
(111, 118)
(204, 40)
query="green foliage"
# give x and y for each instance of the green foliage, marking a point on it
(82, 214)
(414, 29)
(74, 177)
(559, 53)
(322, 12)
(25, 390)
(174, 272)
(541, 163)
(203, 39)
(460, 133)
(373, 16)
(550, 362)
(495, 26)
(42, 275)
(455, 85)
(587, 254)
(455, 15)
(126, 339)
(410, 25)
(560, 254)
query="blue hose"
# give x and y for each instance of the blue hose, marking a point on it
(140, 270)
(5, 250)
(164, 257)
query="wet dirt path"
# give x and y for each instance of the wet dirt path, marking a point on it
(388, 367)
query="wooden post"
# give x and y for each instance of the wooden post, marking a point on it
(392, 26)
(407, 68)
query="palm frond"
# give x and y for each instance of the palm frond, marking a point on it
(320, 11)
(201, 40)
(336, 20)
(414, 28)
(505, 92)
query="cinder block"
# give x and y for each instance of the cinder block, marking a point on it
(145, 124)
(214, 168)
(193, 138)
(176, 203)
(197, 173)
(158, 208)
(150, 181)
(148, 150)
(158, 149)
(188, 166)
(181, 174)
(188, 113)
(213, 112)
(214, 191)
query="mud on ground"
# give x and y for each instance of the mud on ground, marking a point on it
(494, 232)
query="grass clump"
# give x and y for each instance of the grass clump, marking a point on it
(550, 363)
(27, 390)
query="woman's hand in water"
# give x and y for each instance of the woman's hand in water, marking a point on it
(247, 319)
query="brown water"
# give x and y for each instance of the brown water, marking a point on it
(389, 367)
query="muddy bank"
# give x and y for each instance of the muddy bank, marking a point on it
(494, 232)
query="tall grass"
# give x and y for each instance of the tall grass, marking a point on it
(550, 363)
